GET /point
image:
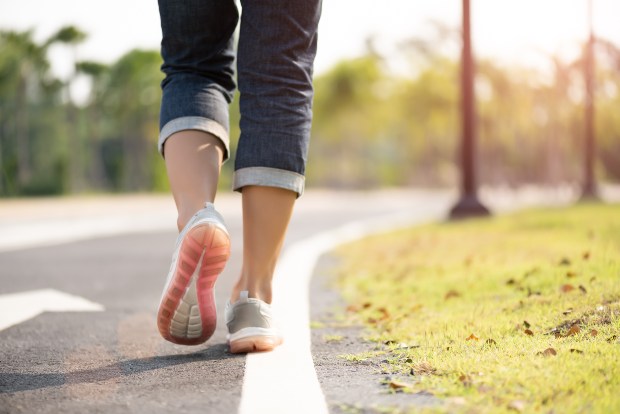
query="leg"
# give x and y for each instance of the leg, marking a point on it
(198, 63)
(197, 48)
(193, 162)
(277, 45)
(266, 214)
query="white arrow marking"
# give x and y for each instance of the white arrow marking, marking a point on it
(16, 308)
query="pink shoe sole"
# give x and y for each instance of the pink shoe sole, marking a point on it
(212, 244)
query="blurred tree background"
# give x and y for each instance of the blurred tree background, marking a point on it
(373, 125)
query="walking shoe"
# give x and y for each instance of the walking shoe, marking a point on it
(187, 312)
(250, 326)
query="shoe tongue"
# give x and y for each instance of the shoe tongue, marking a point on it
(243, 296)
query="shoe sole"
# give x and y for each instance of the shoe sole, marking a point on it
(187, 313)
(254, 344)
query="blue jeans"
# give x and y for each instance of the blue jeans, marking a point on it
(276, 50)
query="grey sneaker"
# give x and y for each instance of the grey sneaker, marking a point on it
(250, 326)
(187, 307)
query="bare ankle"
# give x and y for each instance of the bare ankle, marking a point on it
(260, 291)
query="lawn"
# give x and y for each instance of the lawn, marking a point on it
(517, 313)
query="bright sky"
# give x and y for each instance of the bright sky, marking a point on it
(521, 31)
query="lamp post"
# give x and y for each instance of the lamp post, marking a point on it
(468, 204)
(589, 191)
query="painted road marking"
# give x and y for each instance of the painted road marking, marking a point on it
(276, 381)
(16, 308)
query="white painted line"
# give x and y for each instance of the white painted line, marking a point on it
(285, 381)
(16, 308)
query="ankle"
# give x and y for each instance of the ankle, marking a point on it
(260, 291)
(186, 211)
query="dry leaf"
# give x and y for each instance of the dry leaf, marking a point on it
(472, 337)
(452, 294)
(585, 255)
(366, 305)
(565, 261)
(574, 330)
(576, 351)
(396, 385)
(529, 332)
(549, 352)
(526, 324)
(517, 405)
(570, 274)
(567, 288)
(593, 332)
(582, 289)
(465, 380)
(384, 314)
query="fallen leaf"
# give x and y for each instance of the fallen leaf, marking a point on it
(576, 351)
(517, 405)
(583, 289)
(565, 261)
(567, 288)
(465, 380)
(452, 294)
(574, 330)
(526, 324)
(472, 337)
(529, 332)
(396, 385)
(549, 352)
(490, 342)
(585, 255)
(384, 314)
(570, 274)
(366, 305)
(593, 332)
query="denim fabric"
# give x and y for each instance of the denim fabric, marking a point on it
(276, 50)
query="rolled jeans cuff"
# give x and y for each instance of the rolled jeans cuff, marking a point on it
(196, 123)
(269, 177)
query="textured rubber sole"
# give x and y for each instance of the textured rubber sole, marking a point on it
(254, 344)
(187, 313)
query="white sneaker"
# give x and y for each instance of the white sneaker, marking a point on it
(250, 325)
(187, 311)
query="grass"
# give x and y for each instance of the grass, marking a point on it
(508, 314)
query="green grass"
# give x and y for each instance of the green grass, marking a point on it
(423, 292)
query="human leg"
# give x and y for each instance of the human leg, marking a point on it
(277, 46)
(198, 63)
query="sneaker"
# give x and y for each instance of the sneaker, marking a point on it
(187, 312)
(250, 326)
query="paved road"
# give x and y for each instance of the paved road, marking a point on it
(115, 361)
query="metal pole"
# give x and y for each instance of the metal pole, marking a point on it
(468, 205)
(588, 191)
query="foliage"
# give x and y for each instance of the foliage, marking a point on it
(372, 127)
(523, 316)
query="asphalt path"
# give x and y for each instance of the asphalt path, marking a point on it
(114, 360)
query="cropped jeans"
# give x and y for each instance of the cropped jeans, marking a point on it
(275, 56)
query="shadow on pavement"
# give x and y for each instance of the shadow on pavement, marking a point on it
(15, 382)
